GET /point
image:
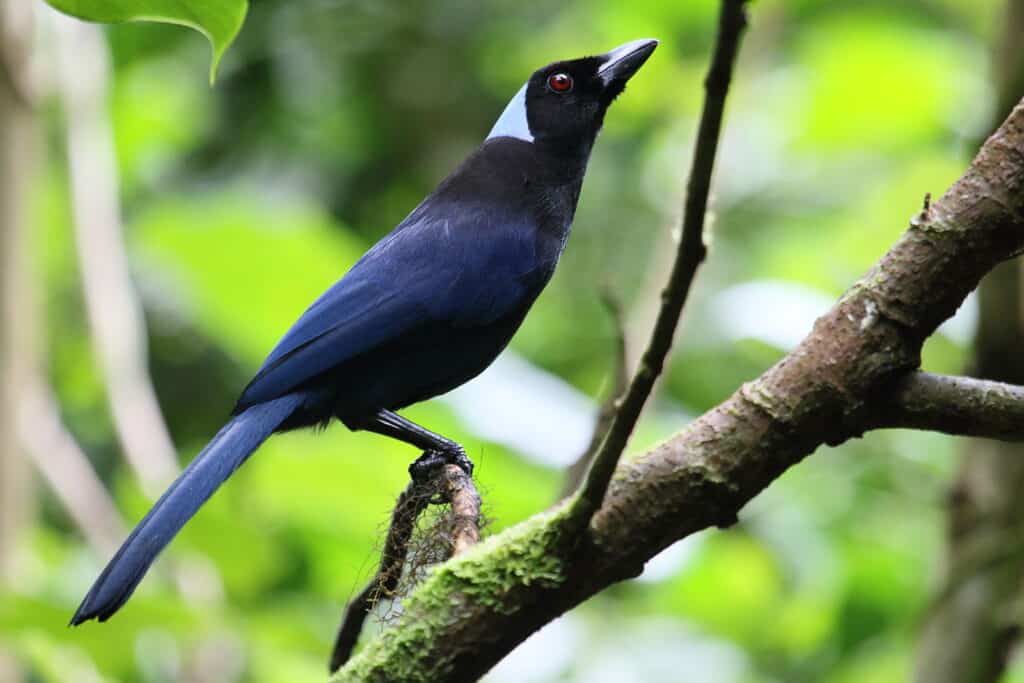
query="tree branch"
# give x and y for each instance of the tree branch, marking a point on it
(474, 609)
(66, 468)
(458, 489)
(732, 19)
(961, 406)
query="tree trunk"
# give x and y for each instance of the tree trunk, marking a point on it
(974, 621)
(16, 156)
(971, 625)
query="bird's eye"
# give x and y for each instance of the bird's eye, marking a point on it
(560, 82)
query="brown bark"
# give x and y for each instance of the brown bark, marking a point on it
(476, 608)
(459, 491)
(955, 405)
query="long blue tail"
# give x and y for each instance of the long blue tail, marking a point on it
(233, 444)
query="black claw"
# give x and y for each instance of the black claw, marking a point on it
(424, 466)
(462, 460)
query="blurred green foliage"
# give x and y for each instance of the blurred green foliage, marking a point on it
(330, 121)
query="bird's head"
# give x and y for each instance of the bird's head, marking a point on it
(563, 104)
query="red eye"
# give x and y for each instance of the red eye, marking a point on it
(560, 82)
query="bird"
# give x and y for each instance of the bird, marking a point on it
(427, 308)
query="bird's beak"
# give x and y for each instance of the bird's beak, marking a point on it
(619, 65)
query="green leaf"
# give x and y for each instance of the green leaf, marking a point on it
(218, 20)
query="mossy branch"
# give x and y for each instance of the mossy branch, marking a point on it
(476, 608)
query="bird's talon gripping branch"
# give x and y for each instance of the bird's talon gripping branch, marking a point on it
(459, 458)
(423, 468)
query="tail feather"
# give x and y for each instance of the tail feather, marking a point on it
(232, 445)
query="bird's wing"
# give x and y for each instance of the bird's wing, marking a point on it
(458, 271)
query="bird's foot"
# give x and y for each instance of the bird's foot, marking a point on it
(459, 458)
(424, 466)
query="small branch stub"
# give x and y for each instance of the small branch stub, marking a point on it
(452, 534)
(461, 494)
(610, 406)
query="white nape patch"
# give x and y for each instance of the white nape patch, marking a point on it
(512, 123)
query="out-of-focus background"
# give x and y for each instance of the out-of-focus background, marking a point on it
(330, 120)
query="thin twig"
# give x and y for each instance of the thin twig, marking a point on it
(575, 472)
(455, 488)
(731, 22)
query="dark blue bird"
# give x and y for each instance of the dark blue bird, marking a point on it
(426, 309)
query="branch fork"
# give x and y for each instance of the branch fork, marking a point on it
(844, 378)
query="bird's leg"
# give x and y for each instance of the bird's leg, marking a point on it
(437, 450)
